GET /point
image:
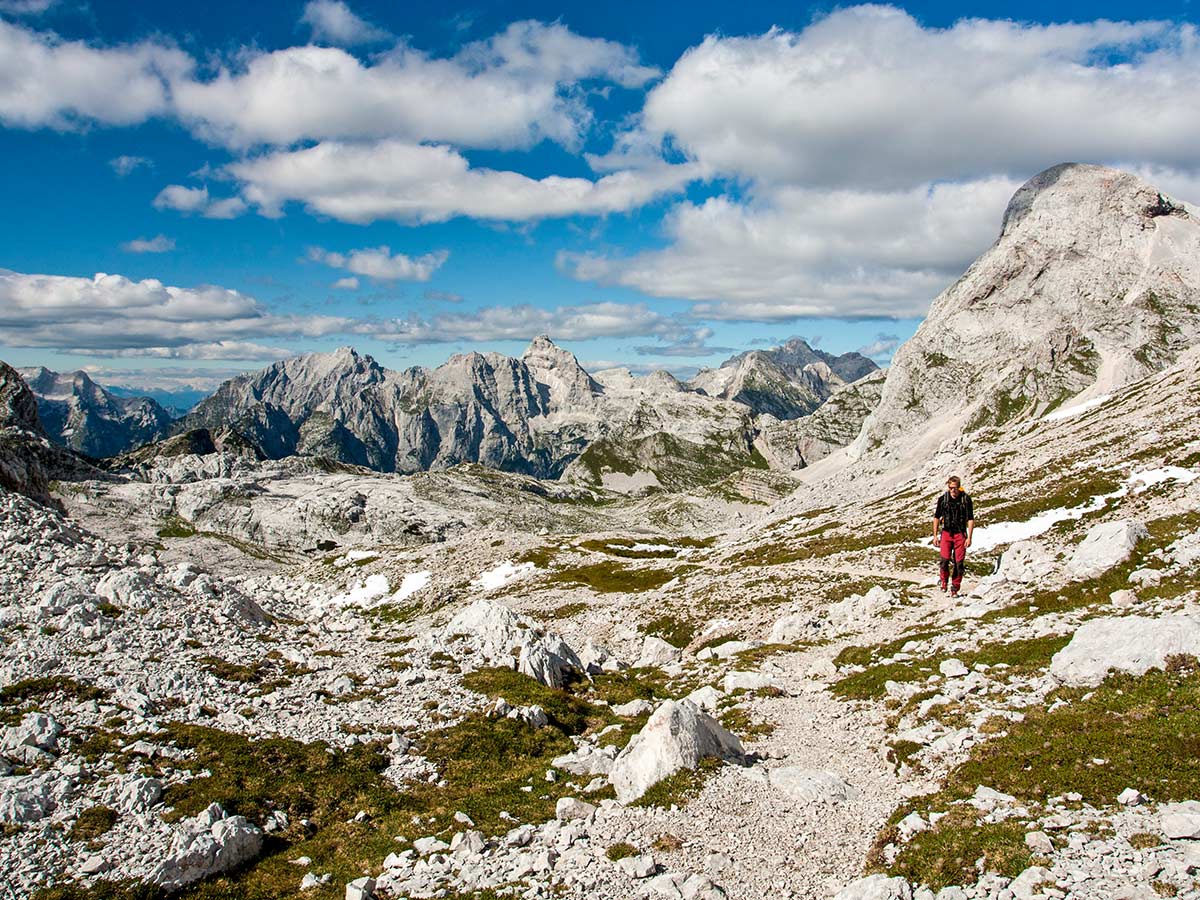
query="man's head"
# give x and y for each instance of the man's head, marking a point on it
(954, 484)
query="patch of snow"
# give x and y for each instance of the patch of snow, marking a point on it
(411, 583)
(501, 575)
(1069, 411)
(625, 484)
(363, 592)
(1141, 481)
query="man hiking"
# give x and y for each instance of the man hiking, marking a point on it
(953, 523)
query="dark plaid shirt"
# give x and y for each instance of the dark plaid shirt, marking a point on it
(954, 512)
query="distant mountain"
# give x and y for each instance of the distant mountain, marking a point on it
(535, 415)
(1094, 282)
(787, 382)
(80, 414)
(177, 402)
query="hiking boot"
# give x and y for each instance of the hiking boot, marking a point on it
(954, 592)
(944, 587)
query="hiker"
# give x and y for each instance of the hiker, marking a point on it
(953, 523)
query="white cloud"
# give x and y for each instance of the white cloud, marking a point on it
(813, 252)
(157, 244)
(164, 378)
(346, 284)
(113, 316)
(422, 183)
(25, 7)
(510, 91)
(334, 22)
(379, 264)
(867, 97)
(524, 321)
(882, 348)
(48, 82)
(124, 165)
(196, 200)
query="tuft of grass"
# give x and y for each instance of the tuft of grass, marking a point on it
(947, 853)
(606, 578)
(92, 823)
(681, 787)
(34, 690)
(675, 631)
(1022, 657)
(565, 710)
(394, 613)
(176, 527)
(621, 851)
(738, 720)
(569, 610)
(231, 671)
(1144, 840)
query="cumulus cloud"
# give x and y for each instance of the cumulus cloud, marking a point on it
(813, 252)
(882, 348)
(334, 22)
(157, 244)
(418, 183)
(694, 343)
(509, 91)
(346, 284)
(124, 165)
(114, 316)
(380, 264)
(25, 7)
(46, 81)
(196, 200)
(166, 378)
(869, 97)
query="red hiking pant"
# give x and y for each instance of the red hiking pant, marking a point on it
(953, 546)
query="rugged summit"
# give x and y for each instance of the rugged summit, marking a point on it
(1093, 282)
(80, 414)
(787, 382)
(540, 415)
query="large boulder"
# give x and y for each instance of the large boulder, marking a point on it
(500, 637)
(1131, 644)
(1025, 562)
(858, 610)
(1106, 545)
(677, 736)
(208, 844)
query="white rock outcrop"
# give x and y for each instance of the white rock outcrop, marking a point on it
(876, 887)
(1131, 644)
(657, 652)
(1106, 545)
(499, 637)
(812, 785)
(677, 736)
(207, 844)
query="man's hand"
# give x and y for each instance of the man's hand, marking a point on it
(934, 540)
(967, 541)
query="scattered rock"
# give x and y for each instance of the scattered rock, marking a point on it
(1106, 545)
(1131, 644)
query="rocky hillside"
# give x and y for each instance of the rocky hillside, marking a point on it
(1093, 282)
(80, 414)
(539, 415)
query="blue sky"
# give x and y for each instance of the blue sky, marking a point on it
(654, 185)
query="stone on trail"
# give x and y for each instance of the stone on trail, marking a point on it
(858, 610)
(1106, 545)
(634, 708)
(1026, 885)
(637, 866)
(812, 785)
(1131, 644)
(791, 628)
(876, 887)
(747, 681)
(1180, 821)
(706, 698)
(953, 668)
(569, 809)
(677, 736)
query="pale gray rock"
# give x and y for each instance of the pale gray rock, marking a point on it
(642, 866)
(1026, 885)
(812, 785)
(634, 708)
(876, 887)
(953, 668)
(361, 889)
(133, 793)
(500, 637)
(205, 845)
(746, 681)
(677, 736)
(26, 798)
(657, 652)
(1180, 821)
(1131, 644)
(571, 809)
(1107, 544)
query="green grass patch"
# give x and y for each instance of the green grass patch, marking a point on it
(606, 578)
(738, 720)
(92, 823)
(1022, 657)
(621, 851)
(680, 788)
(566, 710)
(675, 631)
(394, 613)
(947, 853)
(569, 610)
(176, 527)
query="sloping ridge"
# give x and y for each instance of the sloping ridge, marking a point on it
(1094, 282)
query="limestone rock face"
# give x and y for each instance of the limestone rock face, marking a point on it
(80, 414)
(207, 844)
(1131, 644)
(1094, 282)
(1106, 545)
(677, 736)
(497, 636)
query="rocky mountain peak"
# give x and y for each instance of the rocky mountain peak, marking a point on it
(558, 373)
(1094, 282)
(18, 405)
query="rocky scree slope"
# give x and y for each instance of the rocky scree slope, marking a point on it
(80, 414)
(1093, 282)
